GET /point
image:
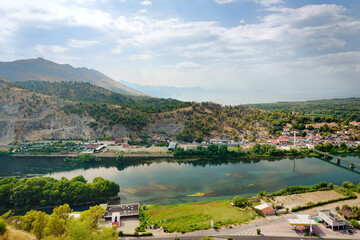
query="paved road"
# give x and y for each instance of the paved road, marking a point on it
(272, 228)
(236, 238)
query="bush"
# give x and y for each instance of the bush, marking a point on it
(121, 233)
(207, 238)
(241, 201)
(355, 223)
(258, 231)
(230, 238)
(140, 228)
(2, 227)
(146, 234)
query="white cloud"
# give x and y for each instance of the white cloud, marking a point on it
(224, 1)
(81, 43)
(143, 56)
(146, 3)
(142, 11)
(187, 65)
(264, 3)
(268, 3)
(50, 49)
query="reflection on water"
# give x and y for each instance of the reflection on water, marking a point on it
(165, 181)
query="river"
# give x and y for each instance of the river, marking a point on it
(165, 181)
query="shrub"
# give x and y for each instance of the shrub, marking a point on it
(121, 233)
(207, 238)
(355, 223)
(146, 234)
(2, 227)
(258, 231)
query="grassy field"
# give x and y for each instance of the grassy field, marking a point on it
(196, 216)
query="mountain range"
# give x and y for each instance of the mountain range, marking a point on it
(40, 69)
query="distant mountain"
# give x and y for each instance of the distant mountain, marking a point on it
(181, 93)
(44, 70)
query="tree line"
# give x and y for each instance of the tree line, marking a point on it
(47, 191)
(60, 225)
(215, 150)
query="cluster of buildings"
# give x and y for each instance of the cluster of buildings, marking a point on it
(311, 136)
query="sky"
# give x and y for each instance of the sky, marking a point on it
(238, 51)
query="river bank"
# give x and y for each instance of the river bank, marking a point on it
(157, 155)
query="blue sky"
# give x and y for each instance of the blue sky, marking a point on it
(243, 51)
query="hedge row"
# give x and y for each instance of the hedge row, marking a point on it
(298, 208)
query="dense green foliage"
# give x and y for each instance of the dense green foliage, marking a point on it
(83, 158)
(354, 223)
(89, 93)
(214, 150)
(60, 225)
(2, 227)
(46, 191)
(3, 153)
(342, 148)
(302, 189)
(48, 148)
(241, 201)
(348, 108)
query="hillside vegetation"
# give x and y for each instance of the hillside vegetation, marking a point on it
(348, 108)
(76, 110)
(40, 69)
(89, 93)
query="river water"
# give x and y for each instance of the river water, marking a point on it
(164, 181)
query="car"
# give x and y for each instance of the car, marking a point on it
(348, 232)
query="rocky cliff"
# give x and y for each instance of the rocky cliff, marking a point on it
(25, 115)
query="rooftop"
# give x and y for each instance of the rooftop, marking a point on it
(125, 210)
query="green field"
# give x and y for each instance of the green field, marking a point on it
(197, 216)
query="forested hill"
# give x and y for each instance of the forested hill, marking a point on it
(70, 110)
(348, 108)
(89, 93)
(40, 69)
(73, 110)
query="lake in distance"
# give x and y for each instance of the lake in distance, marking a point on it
(150, 181)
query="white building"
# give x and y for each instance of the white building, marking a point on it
(266, 209)
(333, 219)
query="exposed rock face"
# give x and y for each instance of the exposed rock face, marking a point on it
(48, 124)
(28, 116)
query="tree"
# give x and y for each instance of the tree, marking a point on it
(214, 149)
(223, 150)
(343, 146)
(120, 159)
(92, 216)
(2, 227)
(355, 223)
(78, 229)
(79, 178)
(57, 221)
(240, 201)
(39, 224)
(347, 184)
